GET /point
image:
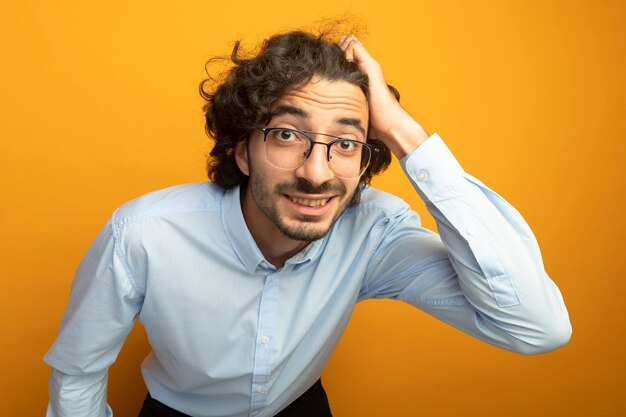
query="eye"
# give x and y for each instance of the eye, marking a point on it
(285, 135)
(346, 146)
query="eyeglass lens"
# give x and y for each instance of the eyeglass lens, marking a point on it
(288, 149)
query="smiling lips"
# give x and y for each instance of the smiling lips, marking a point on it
(309, 202)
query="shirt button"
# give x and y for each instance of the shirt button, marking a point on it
(422, 175)
(259, 388)
(265, 340)
(471, 231)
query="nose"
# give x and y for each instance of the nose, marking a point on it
(315, 168)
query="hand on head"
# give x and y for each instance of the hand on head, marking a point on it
(389, 122)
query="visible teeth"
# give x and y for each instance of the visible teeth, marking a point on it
(310, 203)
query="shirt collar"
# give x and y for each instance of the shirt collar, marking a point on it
(242, 241)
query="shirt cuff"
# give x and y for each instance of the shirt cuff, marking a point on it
(433, 170)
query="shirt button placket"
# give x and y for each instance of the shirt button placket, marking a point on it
(263, 345)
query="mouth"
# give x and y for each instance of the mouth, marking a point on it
(313, 207)
(309, 202)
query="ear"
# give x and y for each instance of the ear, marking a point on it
(241, 156)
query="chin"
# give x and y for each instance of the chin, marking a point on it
(305, 234)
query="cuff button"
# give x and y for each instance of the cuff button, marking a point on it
(422, 175)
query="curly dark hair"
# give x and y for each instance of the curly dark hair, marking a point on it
(241, 102)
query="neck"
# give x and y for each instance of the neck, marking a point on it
(273, 244)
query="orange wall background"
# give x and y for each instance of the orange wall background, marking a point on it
(99, 104)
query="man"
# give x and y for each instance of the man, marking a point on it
(245, 284)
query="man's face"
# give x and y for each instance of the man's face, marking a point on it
(303, 203)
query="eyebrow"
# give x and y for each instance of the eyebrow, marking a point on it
(285, 109)
(347, 121)
(296, 111)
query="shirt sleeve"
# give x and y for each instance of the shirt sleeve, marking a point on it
(103, 305)
(483, 274)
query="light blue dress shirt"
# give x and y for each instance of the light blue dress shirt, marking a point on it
(233, 336)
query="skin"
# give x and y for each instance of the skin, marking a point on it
(287, 209)
(278, 204)
(389, 121)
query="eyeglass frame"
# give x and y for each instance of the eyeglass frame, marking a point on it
(312, 143)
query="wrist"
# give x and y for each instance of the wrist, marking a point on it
(404, 137)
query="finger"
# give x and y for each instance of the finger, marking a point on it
(344, 41)
(349, 52)
(349, 45)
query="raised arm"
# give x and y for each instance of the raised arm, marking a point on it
(484, 273)
(388, 120)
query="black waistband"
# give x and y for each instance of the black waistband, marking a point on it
(313, 403)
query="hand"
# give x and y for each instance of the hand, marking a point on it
(388, 120)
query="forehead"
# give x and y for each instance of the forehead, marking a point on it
(323, 95)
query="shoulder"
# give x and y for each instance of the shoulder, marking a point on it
(186, 198)
(376, 210)
(362, 228)
(377, 201)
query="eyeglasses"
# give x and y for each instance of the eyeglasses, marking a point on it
(289, 148)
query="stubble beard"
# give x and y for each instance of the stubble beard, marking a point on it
(305, 229)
